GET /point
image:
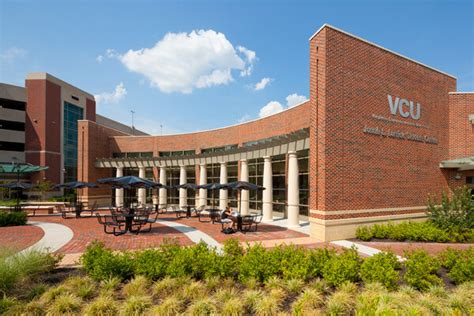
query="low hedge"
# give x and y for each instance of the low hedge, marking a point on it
(13, 218)
(414, 231)
(258, 264)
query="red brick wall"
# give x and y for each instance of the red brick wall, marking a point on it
(43, 128)
(461, 130)
(352, 169)
(93, 142)
(282, 123)
(90, 110)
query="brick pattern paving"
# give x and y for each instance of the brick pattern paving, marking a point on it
(264, 231)
(20, 237)
(399, 247)
(87, 230)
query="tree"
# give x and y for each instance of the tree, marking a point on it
(44, 186)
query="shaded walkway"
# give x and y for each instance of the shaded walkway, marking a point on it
(55, 236)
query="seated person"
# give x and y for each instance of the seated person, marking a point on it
(225, 220)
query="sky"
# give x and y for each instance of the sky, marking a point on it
(185, 66)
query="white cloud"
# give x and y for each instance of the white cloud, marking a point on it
(99, 58)
(111, 53)
(262, 84)
(181, 62)
(294, 99)
(272, 107)
(250, 57)
(244, 118)
(111, 97)
(13, 53)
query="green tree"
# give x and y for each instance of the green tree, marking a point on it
(455, 211)
(44, 186)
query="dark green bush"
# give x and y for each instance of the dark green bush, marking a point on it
(421, 270)
(459, 263)
(342, 268)
(382, 268)
(13, 218)
(454, 212)
(258, 263)
(102, 263)
(414, 231)
(316, 260)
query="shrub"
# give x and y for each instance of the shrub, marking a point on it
(459, 263)
(65, 304)
(101, 263)
(421, 269)
(415, 231)
(171, 305)
(82, 287)
(5, 304)
(232, 256)
(136, 305)
(364, 233)
(342, 268)
(341, 302)
(203, 306)
(293, 262)
(381, 268)
(308, 303)
(21, 268)
(166, 287)
(13, 218)
(138, 286)
(257, 263)
(316, 260)
(456, 211)
(103, 305)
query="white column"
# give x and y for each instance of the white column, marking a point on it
(162, 195)
(293, 190)
(141, 191)
(267, 197)
(183, 193)
(244, 194)
(223, 194)
(202, 180)
(119, 192)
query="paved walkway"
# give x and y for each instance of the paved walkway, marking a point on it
(55, 236)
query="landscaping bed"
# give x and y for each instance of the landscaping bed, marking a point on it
(284, 280)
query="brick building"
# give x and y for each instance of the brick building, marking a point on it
(379, 134)
(38, 125)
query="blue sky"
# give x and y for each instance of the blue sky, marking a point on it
(144, 55)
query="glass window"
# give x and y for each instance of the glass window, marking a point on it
(72, 113)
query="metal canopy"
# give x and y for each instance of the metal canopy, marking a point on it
(294, 141)
(461, 164)
(20, 168)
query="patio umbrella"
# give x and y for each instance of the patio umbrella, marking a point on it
(242, 185)
(76, 185)
(17, 186)
(129, 182)
(213, 187)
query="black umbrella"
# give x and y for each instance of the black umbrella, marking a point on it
(213, 187)
(191, 186)
(76, 185)
(242, 185)
(18, 186)
(129, 182)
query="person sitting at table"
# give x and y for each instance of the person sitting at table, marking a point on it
(226, 222)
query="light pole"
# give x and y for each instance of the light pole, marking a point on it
(133, 126)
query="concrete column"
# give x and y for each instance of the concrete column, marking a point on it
(293, 190)
(202, 180)
(223, 194)
(155, 191)
(162, 196)
(119, 192)
(267, 197)
(183, 193)
(141, 191)
(244, 194)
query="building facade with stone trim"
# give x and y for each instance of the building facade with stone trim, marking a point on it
(378, 136)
